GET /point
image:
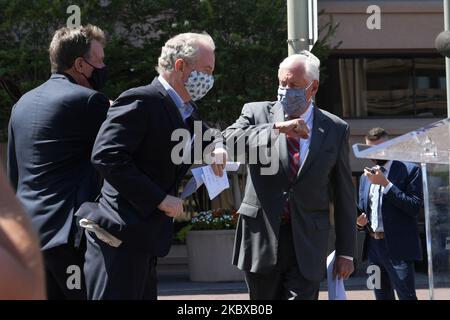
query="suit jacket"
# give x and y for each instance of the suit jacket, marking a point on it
(324, 178)
(51, 133)
(400, 210)
(133, 153)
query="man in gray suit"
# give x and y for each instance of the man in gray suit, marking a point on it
(282, 235)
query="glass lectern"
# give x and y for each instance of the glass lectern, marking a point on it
(429, 146)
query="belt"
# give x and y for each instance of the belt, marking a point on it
(377, 235)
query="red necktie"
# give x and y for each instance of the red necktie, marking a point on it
(293, 145)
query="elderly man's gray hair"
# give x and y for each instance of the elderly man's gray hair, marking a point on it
(183, 46)
(312, 63)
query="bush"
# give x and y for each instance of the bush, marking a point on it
(249, 46)
(250, 37)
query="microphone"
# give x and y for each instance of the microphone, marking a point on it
(442, 43)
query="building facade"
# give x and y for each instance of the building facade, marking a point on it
(391, 76)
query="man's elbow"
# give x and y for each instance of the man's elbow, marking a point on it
(99, 163)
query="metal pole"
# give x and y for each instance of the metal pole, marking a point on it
(298, 26)
(447, 85)
(314, 24)
(447, 60)
(426, 204)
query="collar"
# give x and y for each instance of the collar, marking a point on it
(387, 165)
(308, 115)
(63, 75)
(171, 91)
(185, 109)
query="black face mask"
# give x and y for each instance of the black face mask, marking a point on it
(98, 77)
(379, 162)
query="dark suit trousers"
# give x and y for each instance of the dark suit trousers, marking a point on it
(118, 273)
(285, 281)
(60, 281)
(398, 275)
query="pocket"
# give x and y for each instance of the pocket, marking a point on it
(248, 210)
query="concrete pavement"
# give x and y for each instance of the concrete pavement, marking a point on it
(176, 286)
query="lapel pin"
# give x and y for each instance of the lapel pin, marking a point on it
(321, 130)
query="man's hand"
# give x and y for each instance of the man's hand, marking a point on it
(219, 161)
(296, 128)
(342, 268)
(171, 206)
(362, 220)
(377, 177)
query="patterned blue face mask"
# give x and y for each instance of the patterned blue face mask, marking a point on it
(293, 100)
(198, 84)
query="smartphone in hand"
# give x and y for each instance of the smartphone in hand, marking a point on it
(371, 170)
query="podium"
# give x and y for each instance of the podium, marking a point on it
(429, 146)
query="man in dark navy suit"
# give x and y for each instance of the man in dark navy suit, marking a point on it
(390, 195)
(51, 133)
(133, 152)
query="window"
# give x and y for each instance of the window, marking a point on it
(361, 87)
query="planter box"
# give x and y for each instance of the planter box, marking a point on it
(210, 254)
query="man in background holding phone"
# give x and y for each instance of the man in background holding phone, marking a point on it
(390, 196)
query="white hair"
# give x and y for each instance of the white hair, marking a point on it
(183, 46)
(312, 63)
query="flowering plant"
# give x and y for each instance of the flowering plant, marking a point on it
(218, 219)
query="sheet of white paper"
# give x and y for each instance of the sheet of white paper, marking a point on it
(215, 185)
(197, 173)
(198, 177)
(336, 288)
(232, 166)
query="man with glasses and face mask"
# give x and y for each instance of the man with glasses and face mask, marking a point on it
(51, 134)
(282, 234)
(133, 152)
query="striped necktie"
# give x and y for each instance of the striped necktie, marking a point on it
(293, 145)
(294, 157)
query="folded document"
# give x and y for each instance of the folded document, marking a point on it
(214, 184)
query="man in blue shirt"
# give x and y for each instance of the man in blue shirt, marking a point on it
(133, 152)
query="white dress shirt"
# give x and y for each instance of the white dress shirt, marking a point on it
(185, 109)
(376, 199)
